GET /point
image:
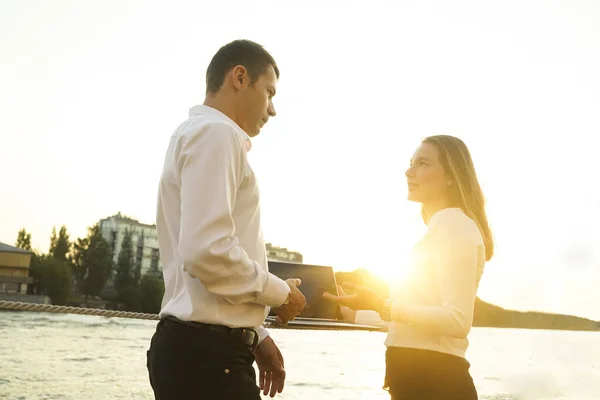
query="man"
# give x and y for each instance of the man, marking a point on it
(218, 290)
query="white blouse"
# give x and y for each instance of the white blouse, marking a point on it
(432, 308)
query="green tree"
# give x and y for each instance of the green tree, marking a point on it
(98, 263)
(137, 271)
(124, 272)
(131, 297)
(60, 246)
(34, 272)
(53, 240)
(126, 282)
(80, 247)
(55, 278)
(92, 261)
(152, 290)
(24, 240)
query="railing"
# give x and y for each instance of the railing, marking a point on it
(298, 323)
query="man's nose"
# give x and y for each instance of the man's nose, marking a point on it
(271, 110)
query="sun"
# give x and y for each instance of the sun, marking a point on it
(393, 271)
(393, 264)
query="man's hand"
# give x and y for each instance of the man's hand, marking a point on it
(363, 298)
(288, 312)
(271, 371)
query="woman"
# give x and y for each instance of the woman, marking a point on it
(431, 313)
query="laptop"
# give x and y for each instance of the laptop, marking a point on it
(316, 279)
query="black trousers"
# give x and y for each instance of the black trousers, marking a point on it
(415, 374)
(187, 363)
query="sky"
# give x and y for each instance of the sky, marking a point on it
(91, 92)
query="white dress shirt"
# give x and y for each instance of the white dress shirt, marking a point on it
(432, 308)
(208, 221)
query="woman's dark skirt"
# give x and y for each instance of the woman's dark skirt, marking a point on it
(415, 374)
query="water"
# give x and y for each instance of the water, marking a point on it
(60, 356)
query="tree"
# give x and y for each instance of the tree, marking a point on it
(35, 273)
(92, 261)
(24, 240)
(124, 271)
(137, 270)
(55, 278)
(126, 282)
(131, 297)
(60, 246)
(53, 240)
(98, 262)
(152, 290)
(80, 248)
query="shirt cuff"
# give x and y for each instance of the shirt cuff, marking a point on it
(366, 317)
(262, 333)
(275, 291)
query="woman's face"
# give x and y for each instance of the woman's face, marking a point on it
(427, 181)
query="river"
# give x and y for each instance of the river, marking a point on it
(61, 356)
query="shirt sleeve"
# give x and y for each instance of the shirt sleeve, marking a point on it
(456, 259)
(212, 164)
(370, 317)
(262, 333)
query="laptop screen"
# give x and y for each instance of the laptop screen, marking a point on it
(316, 279)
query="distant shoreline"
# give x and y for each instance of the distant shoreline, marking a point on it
(489, 315)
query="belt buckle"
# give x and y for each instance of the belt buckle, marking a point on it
(250, 337)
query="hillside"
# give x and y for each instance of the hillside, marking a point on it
(490, 315)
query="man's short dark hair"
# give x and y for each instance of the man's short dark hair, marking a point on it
(239, 52)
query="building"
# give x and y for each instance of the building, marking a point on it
(275, 253)
(145, 243)
(144, 240)
(14, 270)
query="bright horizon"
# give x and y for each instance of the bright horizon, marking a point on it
(92, 91)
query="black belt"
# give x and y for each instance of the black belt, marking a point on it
(246, 336)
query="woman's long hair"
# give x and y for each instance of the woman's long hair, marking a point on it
(466, 192)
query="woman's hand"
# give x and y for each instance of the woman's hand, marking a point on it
(348, 315)
(362, 298)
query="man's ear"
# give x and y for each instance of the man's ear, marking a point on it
(240, 77)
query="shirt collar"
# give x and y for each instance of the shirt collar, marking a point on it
(440, 214)
(201, 109)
